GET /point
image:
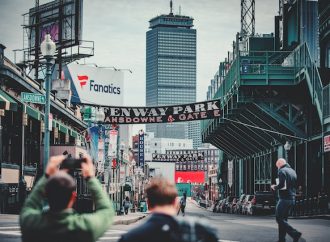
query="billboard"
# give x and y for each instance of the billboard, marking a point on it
(189, 177)
(95, 86)
(62, 19)
(163, 114)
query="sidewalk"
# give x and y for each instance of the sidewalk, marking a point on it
(196, 204)
(129, 218)
(8, 219)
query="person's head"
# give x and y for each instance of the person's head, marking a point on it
(161, 193)
(127, 199)
(60, 191)
(184, 195)
(280, 162)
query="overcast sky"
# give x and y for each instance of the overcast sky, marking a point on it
(119, 27)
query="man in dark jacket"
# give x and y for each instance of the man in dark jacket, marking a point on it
(162, 226)
(286, 187)
(61, 223)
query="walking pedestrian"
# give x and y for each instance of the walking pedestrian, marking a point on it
(60, 222)
(183, 203)
(162, 225)
(126, 205)
(286, 187)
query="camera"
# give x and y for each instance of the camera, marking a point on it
(71, 163)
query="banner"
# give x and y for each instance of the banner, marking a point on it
(163, 114)
(191, 161)
(95, 86)
(141, 148)
(193, 156)
(112, 150)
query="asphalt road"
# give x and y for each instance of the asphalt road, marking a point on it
(230, 227)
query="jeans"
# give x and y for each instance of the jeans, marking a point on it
(182, 210)
(283, 209)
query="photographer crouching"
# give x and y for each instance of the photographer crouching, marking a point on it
(60, 222)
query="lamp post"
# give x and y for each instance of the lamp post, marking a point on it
(47, 48)
(287, 148)
(122, 148)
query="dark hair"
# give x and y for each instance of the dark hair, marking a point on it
(161, 191)
(127, 198)
(59, 190)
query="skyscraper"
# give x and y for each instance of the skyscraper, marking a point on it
(170, 68)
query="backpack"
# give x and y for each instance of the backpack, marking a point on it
(194, 230)
(126, 204)
(183, 202)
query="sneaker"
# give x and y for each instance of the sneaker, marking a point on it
(296, 237)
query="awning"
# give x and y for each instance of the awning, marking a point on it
(7, 102)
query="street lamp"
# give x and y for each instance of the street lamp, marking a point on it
(287, 148)
(122, 148)
(47, 48)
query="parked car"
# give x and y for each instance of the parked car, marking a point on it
(239, 204)
(246, 201)
(263, 201)
(249, 205)
(214, 206)
(232, 205)
(228, 201)
(221, 206)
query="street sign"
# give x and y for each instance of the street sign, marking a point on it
(33, 97)
(327, 143)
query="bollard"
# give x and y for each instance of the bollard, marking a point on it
(304, 211)
(315, 206)
(298, 208)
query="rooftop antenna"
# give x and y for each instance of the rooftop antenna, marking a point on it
(171, 7)
(179, 9)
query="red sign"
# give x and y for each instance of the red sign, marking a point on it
(189, 177)
(327, 143)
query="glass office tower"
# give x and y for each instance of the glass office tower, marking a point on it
(170, 68)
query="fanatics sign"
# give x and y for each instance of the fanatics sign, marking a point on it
(95, 86)
(163, 114)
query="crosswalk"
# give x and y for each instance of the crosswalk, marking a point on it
(111, 235)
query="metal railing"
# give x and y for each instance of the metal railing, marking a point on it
(285, 65)
(317, 205)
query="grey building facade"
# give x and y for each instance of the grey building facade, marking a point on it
(170, 69)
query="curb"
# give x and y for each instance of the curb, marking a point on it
(326, 217)
(129, 221)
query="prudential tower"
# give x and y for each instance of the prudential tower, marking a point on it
(170, 68)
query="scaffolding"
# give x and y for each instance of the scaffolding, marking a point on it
(62, 19)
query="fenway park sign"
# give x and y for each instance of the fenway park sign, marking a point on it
(163, 114)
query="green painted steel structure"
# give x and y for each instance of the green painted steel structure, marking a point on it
(269, 98)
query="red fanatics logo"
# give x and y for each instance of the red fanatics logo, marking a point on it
(83, 80)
